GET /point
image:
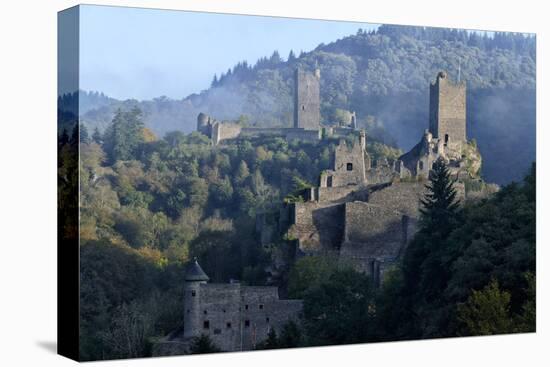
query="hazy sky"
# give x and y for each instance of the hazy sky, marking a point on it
(146, 53)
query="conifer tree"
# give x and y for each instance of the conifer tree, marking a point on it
(291, 56)
(96, 136)
(439, 205)
(84, 136)
(214, 81)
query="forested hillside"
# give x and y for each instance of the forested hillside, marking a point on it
(384, 76)
(148, 205)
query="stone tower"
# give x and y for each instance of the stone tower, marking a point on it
(194, 277)
(448, 110)
(307, 103)
(204, 124)
(347, 166)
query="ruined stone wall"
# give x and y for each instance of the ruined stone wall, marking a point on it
(403, 197)
(318, 227)
(341, 194)
(383, 171)
(448, 110)
(342, 131)
(307, 103)
(419, 151)
(347, 167)
(312, 135)
(261, 131)
(224, 130)
(374, 236)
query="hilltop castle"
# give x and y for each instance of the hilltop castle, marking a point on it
(307, 117)
(362, 213)
(234, 316)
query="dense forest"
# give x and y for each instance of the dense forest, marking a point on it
(383, 75)
(148, 205)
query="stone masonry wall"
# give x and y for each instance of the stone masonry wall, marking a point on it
(261, 310)
(307, 103)
(403, 197)
(372, 233)
(219, 307)
(341, 194)
(311, 135)
(347, 167)
(236, 317)
(448, 110)
(224, 130)
(318, 227)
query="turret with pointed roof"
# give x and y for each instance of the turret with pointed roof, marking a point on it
(195, 273)
(195, 277)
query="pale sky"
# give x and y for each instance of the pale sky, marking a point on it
(147, 53)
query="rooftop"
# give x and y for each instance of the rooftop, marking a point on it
(195, 273)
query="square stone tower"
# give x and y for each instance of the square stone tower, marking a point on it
(448, 110)
(347, 166)
(307, 103)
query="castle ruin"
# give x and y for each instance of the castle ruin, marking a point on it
(348, 165)
(235, 317)
(307, 117)
(365, 213)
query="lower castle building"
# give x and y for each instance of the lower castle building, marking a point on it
(235, 317)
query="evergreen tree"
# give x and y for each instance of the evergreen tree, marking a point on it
(426, 264)
(439, 205)
(124, 135)
(84, 136)
(214, 81)
(75, 139)
(291, 56)
(275, 58)
(96, 136)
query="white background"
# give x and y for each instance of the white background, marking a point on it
(28, 183)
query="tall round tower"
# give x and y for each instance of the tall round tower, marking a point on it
(194, 277)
